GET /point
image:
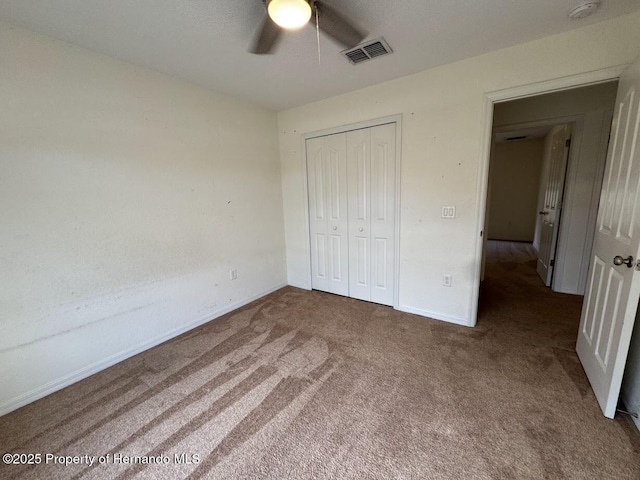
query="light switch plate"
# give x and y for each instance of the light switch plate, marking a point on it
(448, 211)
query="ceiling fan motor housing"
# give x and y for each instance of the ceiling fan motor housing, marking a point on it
(328, 20)
(289, 14)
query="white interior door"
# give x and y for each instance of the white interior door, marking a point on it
(552, 205)
(383, 208)
(351, 180)
(327, 185)
(613, 285)
(371, 167)
(359, 191)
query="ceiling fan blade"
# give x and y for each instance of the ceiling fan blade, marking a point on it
(267, 38)
(337, 26)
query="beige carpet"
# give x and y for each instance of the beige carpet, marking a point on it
(310, 385)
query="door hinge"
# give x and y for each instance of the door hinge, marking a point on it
(552, 262)
(567, 143)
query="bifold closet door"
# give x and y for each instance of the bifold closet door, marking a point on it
(371, 167)
(327, 186)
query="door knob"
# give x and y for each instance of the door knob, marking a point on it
(361, 229)
(335, 228)
(543, 213)
(618, 260)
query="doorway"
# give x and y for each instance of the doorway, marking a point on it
(626, 110)
(571, 128)
(526, 185)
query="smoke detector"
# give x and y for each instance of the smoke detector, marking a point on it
(584, 9)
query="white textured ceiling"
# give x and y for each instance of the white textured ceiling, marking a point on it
(205, 41)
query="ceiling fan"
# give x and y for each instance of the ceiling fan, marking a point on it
(295, 14)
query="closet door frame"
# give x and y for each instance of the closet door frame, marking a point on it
(397, 120)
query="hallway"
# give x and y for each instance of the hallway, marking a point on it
(534, 323)
(513, 293)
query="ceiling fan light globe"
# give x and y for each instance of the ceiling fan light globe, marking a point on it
(290, 14)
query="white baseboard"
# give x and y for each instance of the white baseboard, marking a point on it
(299, 285)
(65, 381)
(435, 315)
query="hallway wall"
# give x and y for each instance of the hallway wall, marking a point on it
(515, 174)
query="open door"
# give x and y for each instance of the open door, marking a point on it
(552, 204)
(613, 285)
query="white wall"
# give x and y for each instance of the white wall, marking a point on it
(631, 381)
(515, 175)
(125, 199)
(443, 133)
(592, 108)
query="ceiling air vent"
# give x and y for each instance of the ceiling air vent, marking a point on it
(367, 51)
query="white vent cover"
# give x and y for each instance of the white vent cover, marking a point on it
(367, 51)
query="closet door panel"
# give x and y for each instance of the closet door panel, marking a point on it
(383, 184)
(359, 194)
(351, 186)
(318, 221)
(327, 189)
(335, 162)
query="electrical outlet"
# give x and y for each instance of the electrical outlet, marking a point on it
(448, 211)
(446, 280)
(233, 274)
